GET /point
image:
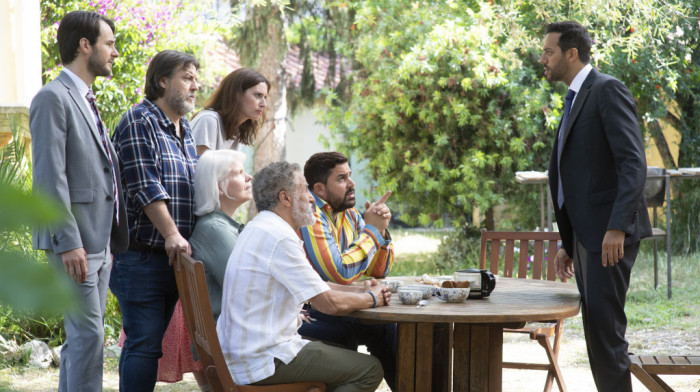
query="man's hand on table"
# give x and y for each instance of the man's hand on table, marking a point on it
(382, 292)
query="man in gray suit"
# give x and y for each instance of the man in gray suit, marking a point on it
(74, 162)
(596, 174)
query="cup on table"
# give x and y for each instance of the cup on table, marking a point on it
(452, 294)
(427, 290)
(392, 284)
(409, 296)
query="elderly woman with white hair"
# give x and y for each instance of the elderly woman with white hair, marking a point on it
(221, 185)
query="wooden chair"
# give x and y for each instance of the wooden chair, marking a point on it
(647, 369)
(194, 297)
(537, 268)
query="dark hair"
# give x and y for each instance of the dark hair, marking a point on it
(270, 181)
(164, 65)
(226, 101)
(320, 166)
(573, 35)
(75, 26)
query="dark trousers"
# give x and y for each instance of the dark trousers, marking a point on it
(145, 287)
(603, 294)
(349, 332)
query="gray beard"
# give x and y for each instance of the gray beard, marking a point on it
(178, 103)
(302, 214)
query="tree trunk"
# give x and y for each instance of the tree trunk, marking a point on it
(270, 143)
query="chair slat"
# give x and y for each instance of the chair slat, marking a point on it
(508, 264)
(537, 258)
(495, 249)
(522, 261)
(551, 254)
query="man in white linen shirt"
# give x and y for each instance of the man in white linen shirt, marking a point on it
(267, 280)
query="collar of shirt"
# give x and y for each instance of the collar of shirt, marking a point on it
(277, 225)
(164, 120)
(82, 88)
(321, 204)
(579, 79)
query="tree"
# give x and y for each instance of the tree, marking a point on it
(450, 105)
(142, 30)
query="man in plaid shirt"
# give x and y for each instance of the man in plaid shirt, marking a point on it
(157, 154)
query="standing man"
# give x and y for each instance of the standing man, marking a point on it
(342, 247)
(268, 279)
(74, 161)
(596, 175)
(157, 152)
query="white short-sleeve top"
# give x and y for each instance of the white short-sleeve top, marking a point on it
(208, 130)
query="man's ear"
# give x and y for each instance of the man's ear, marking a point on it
(571, 55)
(285, 198)
(84, 45)
(163, 82)
(320, 190)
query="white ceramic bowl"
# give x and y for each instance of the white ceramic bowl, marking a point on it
(409, 297)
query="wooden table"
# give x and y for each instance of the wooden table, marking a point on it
(474, 329)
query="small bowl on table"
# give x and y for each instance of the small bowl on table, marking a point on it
(453, 294)
(392, 284)
(409, 296)
(426, 289)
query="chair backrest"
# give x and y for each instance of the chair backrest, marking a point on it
(194, 297)
(536, 253)
(655, 187)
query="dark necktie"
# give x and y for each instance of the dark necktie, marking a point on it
(560, 143)
(105, 143)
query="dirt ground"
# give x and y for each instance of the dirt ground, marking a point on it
(573, 361)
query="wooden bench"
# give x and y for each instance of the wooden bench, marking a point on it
(648, 367)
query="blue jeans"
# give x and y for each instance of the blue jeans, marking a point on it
(145, 287)
(349, 333)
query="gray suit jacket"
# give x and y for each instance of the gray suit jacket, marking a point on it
(71, 166)
(603, 167)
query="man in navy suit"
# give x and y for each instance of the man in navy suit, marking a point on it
(597, 172)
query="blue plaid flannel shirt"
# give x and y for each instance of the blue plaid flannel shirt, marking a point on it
(155, 165)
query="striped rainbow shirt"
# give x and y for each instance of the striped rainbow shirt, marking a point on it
(346, 249)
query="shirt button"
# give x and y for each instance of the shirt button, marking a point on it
(109, 198)
(106, 170)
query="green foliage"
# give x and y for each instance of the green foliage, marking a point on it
(449, 106)
(142, 30)
(459, 249)
(28, 287)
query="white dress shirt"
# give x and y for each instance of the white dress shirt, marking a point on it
(267, 280)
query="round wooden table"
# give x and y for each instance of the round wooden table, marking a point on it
(473, 329)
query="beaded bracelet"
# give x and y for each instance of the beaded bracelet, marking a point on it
(374, 298)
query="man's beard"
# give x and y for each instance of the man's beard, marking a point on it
(339, 204)
(98, 67)
(178, 102)
(302, 212)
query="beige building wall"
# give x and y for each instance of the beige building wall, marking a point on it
(20, 63)
(20, 45)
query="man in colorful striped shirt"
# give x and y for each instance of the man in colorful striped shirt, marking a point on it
(342, 246)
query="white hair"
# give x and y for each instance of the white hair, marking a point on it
(211, 175)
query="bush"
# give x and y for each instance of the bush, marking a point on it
(459, 250)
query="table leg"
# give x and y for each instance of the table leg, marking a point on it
(424, 357)
(478, 357)
(406, 357)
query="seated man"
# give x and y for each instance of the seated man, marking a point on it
(343, 247)
(268, 279)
